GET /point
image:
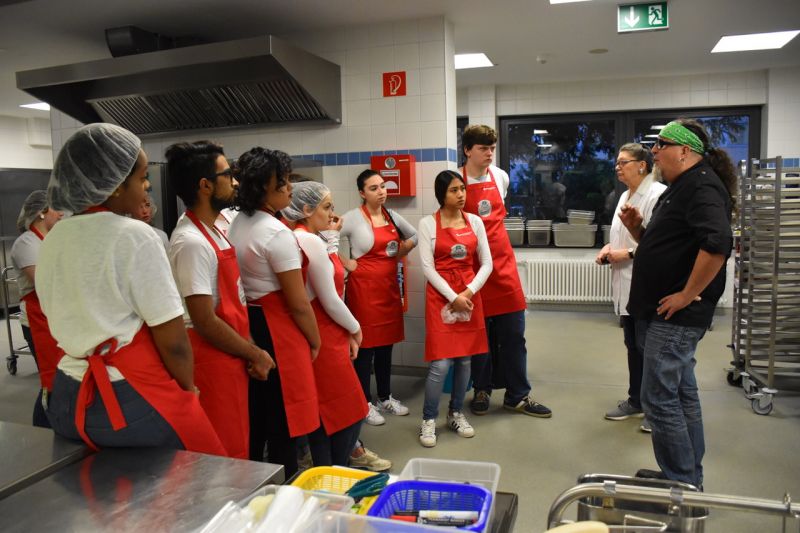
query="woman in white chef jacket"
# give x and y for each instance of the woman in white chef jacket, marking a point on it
(106, 288)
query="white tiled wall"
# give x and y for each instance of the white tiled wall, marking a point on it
(25, 143)
(783, 113)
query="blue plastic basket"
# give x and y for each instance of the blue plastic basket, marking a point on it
(430, 495)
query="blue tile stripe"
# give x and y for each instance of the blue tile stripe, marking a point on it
(422, 155)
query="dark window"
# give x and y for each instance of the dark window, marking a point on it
(561, 162)
(461, 123)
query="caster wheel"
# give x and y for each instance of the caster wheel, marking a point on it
(761, 408)
(11, 365)
(734, 382)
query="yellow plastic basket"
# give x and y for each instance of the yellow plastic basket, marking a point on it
(334, 479)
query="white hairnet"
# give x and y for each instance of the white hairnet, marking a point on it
(34, 204)
(91, 165)
(305, 193)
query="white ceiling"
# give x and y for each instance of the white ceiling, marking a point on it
(42, 33)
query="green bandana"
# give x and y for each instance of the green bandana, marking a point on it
(678, 133)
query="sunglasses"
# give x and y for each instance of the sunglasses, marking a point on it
(661, 143)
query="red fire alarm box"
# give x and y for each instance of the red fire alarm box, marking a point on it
(399, 171)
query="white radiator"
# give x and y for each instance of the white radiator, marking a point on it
(567, 280)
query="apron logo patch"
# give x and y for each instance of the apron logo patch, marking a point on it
(392, 248)
(484, 208)
(458, 251)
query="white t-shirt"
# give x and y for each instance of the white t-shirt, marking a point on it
(427, 245)
(162, 235)
(99, 276)
(24, 253)
(644, 199)
(224, 219)
(500, 178)
(194, 263)
(264, 247)
(320, 282)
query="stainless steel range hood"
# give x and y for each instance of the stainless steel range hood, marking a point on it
(256, 81)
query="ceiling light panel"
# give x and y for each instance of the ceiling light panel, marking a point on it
(754, 41)
(480, 60)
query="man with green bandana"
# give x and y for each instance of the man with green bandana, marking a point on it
(678, 277)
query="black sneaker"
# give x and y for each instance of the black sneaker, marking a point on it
(529, 407)
(480, 402)
(650, 474)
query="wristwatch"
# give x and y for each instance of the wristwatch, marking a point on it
(631, 252)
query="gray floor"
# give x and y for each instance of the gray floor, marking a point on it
(577, 365)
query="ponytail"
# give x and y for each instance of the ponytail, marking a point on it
(718, 159)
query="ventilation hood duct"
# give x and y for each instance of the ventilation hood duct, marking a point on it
(257, 81)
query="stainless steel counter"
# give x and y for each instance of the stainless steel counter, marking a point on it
(143, 490)
(28, 454)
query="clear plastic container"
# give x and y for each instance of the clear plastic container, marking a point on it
(606, 234)
(574, 235)
(538, 232)
(333, 522)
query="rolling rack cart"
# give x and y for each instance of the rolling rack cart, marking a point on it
(766, 325)
(636, 505)
(13, 353)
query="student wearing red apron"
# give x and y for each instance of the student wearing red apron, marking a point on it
(282, 320)
(34, 222)
(378, 238)
(103, 279)
(207, 274)
(342, 405)
(504, 302)
(452, 244)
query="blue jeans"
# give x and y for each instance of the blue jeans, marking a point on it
(437, 372)
(146, 427)
(507, 352)
(669, 397)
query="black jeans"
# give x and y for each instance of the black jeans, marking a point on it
(39, 416)
(268, 424)
(329, 450)
(382, 355)
(635, 361)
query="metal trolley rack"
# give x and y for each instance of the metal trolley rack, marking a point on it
(13, 353)
(766, 321)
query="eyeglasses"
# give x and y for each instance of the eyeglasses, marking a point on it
(661, 143)
(622, 162)
(229, 172)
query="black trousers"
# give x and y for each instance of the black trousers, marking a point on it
(635, 361)
(329, 450)
(382, 355)
(268, 424)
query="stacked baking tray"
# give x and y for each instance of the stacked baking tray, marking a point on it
(580, 232)
(515, 226)
(766, 329)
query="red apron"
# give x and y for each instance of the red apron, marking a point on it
(48, 354)
(455, 254)
(341, 399)
(502, 292)
(141, 365)
(221, 377)
(373, 293)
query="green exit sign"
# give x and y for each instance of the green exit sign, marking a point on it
(642, 17)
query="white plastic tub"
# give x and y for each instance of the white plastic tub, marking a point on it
(333, 522)
(580, 217)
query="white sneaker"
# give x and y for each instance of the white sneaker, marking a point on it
(371, 461)
(374, 418)
(427, 433)
(393, 406)
(458, 423)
